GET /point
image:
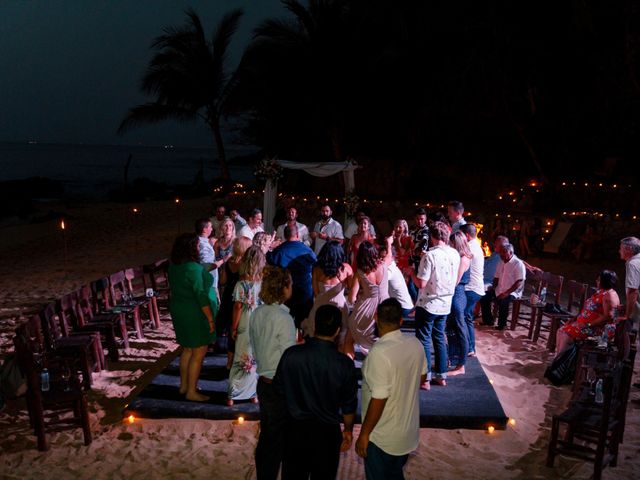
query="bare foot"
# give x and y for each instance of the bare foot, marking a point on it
(459, 370)
(471, 354)
(254, 399)
(439, 381)
(183, 390)
(425, 386)
(196, 397)
(229, 402)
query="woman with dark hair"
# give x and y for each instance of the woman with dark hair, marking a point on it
(363, 234)
(370, 287)
(598, 311)
(193, 306)
(329, 278)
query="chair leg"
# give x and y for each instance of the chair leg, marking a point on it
(137, 323)
(551, 452)
(156, 311)
(123, 331)
(112, 344)
(515, 314)
(38, 426)
(538, 324)
(87, 380)
(553, 330)
(84, 419)
(532, 321)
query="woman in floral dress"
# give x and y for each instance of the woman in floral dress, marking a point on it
(243, 378)
(598, 311)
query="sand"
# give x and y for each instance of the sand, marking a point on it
(104, 238)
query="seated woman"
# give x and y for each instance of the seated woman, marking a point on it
(597, 312)
(193, 306)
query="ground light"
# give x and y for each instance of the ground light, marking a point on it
(490, 429)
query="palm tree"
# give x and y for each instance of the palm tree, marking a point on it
(188, 79)
(293, 78)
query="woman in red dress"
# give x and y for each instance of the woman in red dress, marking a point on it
(597, 312)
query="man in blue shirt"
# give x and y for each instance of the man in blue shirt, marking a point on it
(320, 388)
(299, 259)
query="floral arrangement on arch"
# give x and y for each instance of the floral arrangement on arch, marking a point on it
(268, 169)
(351, 203)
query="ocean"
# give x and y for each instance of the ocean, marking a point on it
(91, 171)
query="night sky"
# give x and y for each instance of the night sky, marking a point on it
(71, 69)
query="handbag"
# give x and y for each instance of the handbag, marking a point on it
(563, 368)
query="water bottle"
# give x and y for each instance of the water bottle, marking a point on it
(599, 396)
(543, 295)
(44, 380)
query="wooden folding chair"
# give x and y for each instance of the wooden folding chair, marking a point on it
(592, 430)
(79, 348)
(553, 283)
(137, 288)
(576, 296)
(159, 277)
(48, 409)
(532, 285)
(108, 324)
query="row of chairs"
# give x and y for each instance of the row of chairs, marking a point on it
(71, 334)
(538, 317)
(592, 428)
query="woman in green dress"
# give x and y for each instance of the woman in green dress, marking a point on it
(193, 306)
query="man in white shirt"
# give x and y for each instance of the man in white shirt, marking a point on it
(253, 226)
(292, 219)
(326, 229)
(271, 332)
(436, 279)
(474, 290)
(391, 379)
(630, 253)
(508, 284)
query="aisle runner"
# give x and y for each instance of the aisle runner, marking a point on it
(468, 401)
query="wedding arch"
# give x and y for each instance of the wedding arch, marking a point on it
(269, 169)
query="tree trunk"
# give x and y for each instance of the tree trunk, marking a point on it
(222, 157)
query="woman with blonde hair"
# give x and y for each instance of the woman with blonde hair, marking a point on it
(246, 296)
(229, 276)
(402, 246)
(458, 332)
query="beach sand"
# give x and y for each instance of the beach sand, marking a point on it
(103, 238)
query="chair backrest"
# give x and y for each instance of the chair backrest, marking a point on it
(158, 274)
(101, 294)
(117, 287)
(577, 294)
(66, 308)
(553, 284)
(85, 305)
(50, 324)
(136, 281)
(532, 283)
(26, 359)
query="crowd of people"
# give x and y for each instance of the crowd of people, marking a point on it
(293, 308)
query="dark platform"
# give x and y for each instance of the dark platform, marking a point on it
(468, 401)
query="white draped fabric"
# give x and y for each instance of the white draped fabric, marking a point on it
(318, 169)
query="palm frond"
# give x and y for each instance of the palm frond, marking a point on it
(154, 113)
(221, 40)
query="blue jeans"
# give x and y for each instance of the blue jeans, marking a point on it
(379, 465)
(472, 299)
(426, 325)
(458, 306)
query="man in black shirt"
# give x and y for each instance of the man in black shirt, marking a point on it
(320, 388)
